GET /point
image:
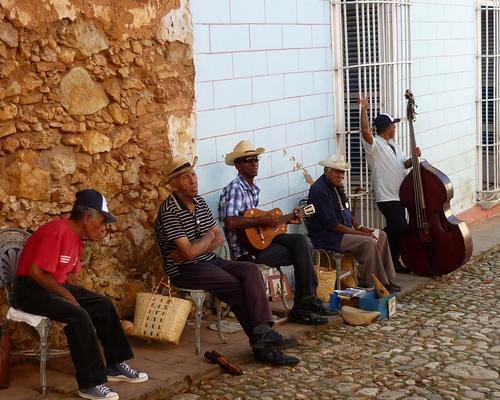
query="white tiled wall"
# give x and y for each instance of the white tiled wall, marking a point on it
(263, 73)
(444, 85)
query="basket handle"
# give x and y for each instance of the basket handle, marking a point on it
(161, 284)
(322, 252)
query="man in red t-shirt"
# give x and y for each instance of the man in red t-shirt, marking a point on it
(50, 257)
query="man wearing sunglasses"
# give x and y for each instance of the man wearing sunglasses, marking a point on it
(187, 234)
(286, 249)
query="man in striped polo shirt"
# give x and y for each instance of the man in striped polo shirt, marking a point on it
(187, 234)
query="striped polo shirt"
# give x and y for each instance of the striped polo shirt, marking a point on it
(174, 221)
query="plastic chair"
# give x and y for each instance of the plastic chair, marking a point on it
(11, 242)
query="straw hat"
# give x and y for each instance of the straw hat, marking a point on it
(178, 165)
(355, 316)
(243, 149)
(336, 161)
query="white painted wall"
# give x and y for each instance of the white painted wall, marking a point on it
(444, 85)
(263, 73)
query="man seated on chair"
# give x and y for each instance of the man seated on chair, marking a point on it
(333, 227)
(187, 234)
(242, 194)
(47, 265)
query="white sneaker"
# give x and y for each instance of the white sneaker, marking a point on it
(98, 392)
(124, 373)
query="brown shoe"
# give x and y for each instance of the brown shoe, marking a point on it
(393, 288)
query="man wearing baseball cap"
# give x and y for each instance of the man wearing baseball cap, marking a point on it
(388, 165)
(49, 260)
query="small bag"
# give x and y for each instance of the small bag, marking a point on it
(160, 317)
(4, 356)
(325, 271)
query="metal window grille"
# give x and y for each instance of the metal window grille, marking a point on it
(371, 56)
(488, 105)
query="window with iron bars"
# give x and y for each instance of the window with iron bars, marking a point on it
(371, 51)
(488, 179)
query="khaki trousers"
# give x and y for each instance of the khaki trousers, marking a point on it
(373, 256)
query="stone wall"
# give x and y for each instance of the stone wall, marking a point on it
(94, 95)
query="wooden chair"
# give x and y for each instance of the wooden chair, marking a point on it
(11, 243)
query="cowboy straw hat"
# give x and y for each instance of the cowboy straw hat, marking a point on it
(243, 149)
(355, 316)
(336, 161)
(177, 166)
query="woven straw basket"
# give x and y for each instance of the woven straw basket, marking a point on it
(160, 317)
(325, 271)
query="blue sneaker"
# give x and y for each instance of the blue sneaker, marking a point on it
(124, 373)
(98, 392)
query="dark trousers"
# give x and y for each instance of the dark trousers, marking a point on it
(296, 249)
(95, 318)
(236, 283)
(395, 225)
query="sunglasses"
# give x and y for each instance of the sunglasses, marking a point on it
(248, 160)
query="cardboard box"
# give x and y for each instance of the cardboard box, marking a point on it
(386, 305)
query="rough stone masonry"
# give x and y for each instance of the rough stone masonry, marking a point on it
(94, 94)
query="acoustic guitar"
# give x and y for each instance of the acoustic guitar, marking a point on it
(260, 237)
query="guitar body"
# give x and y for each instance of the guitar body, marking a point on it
(260, 237)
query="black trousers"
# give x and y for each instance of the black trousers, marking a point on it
(296, 249)
(395, 225)
(96, 318)
(236, 283)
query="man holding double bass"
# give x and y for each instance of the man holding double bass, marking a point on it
(388, 165)
(242, 194)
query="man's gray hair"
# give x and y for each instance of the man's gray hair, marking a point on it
(78, 212)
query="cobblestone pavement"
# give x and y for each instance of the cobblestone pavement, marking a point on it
(443, 343)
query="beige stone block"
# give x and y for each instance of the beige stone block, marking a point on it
(7, 129)
(8, 112)
(66, 56)
(105, 179)
(95, 142)
(29, 181)
(81, 93)
(112, 88)
(118, 114)
(62, 162)
(83, 36)
(120, 136)
(9, 34)
(13, 89)
(31, 99)
(7, 67)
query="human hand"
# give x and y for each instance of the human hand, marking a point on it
(363, 102)
(177, 256)
(417, 152)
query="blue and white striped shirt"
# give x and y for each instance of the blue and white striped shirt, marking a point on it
(237, 197)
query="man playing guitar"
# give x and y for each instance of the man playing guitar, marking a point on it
(242, 194)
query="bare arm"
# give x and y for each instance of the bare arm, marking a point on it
(47, 281)
(365, 126)
(245, 222)
(189, 250)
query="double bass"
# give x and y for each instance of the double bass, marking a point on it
(437, 242)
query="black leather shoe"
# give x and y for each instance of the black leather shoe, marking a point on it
(365, 285)
(306, 317)
(274, 357)
(401, 269)
(317, 307)
(272, 340)
(393, 288)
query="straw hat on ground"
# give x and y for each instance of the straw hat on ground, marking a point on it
(245, 148)
(177, 166)
(336, 161)
(355, 316)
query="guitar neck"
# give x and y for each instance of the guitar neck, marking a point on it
(285, 218)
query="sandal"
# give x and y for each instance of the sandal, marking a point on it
(306, 317)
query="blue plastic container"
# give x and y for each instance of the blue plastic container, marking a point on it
(334, 301)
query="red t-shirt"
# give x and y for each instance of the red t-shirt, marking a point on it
(55, 248)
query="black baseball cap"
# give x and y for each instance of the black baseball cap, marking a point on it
(93, 199)
(383, 120)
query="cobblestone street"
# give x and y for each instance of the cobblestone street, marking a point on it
(443, 343)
